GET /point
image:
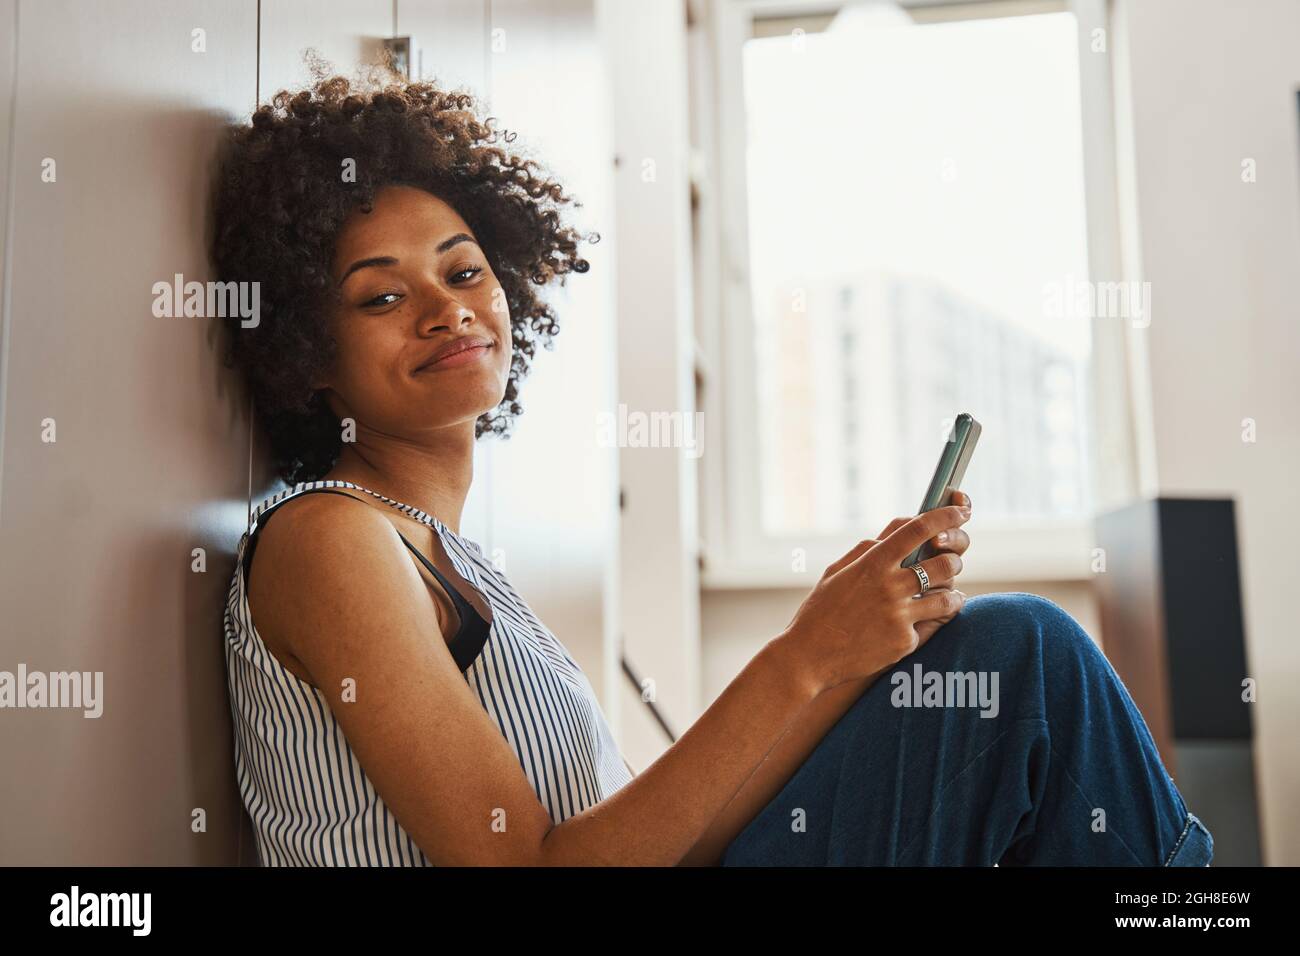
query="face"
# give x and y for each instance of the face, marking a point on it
(412, 281)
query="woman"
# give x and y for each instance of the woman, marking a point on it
(396, 701)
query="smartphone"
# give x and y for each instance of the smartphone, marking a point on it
(947, 475)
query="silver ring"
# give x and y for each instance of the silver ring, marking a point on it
(922, 577)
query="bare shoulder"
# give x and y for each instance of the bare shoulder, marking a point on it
(315, 532)
(325, 566)
(323, 518)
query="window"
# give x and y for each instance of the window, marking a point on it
(911, 213)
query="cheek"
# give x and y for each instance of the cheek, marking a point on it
(504, 359)
(366, 357)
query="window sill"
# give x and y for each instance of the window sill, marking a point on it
(1063, 554)
(739, 578)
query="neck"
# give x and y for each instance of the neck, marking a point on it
(433, 475)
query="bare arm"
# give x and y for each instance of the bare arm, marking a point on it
(352, 608)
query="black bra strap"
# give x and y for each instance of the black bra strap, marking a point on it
(473, 632)
(462, 604)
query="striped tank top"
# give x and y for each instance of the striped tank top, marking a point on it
(310, 801)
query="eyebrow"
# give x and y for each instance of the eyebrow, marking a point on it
(392, 261)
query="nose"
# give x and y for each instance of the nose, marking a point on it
(449, 314)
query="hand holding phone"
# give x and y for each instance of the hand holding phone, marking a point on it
(948, 474)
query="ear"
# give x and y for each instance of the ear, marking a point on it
(321, 379)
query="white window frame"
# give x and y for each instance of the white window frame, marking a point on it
(735, 551)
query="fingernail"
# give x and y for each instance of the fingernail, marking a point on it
(942, 537)
(965, 511)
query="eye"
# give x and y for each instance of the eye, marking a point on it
(379, 299)
(468, 272)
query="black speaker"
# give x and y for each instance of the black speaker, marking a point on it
(1172, 627)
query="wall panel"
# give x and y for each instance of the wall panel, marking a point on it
(149, 459)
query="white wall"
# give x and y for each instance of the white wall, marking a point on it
(1212, 83)
(659, 545)
(151, 453)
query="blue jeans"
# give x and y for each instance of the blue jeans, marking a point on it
(1051, 765)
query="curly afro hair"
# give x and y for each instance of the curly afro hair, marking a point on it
(282, 195)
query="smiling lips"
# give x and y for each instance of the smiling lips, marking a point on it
(462, 351)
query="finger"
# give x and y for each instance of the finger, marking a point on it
(959, 498)
(932, 591)
(941, 571)
(892, 527)
(940, 603)
(955, 540)
(914, 533)
(859, 549)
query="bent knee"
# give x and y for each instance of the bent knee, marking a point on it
(1015, 604)
(1014, 622)
(1017, 608)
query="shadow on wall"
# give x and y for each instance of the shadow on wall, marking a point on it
(117, 538)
